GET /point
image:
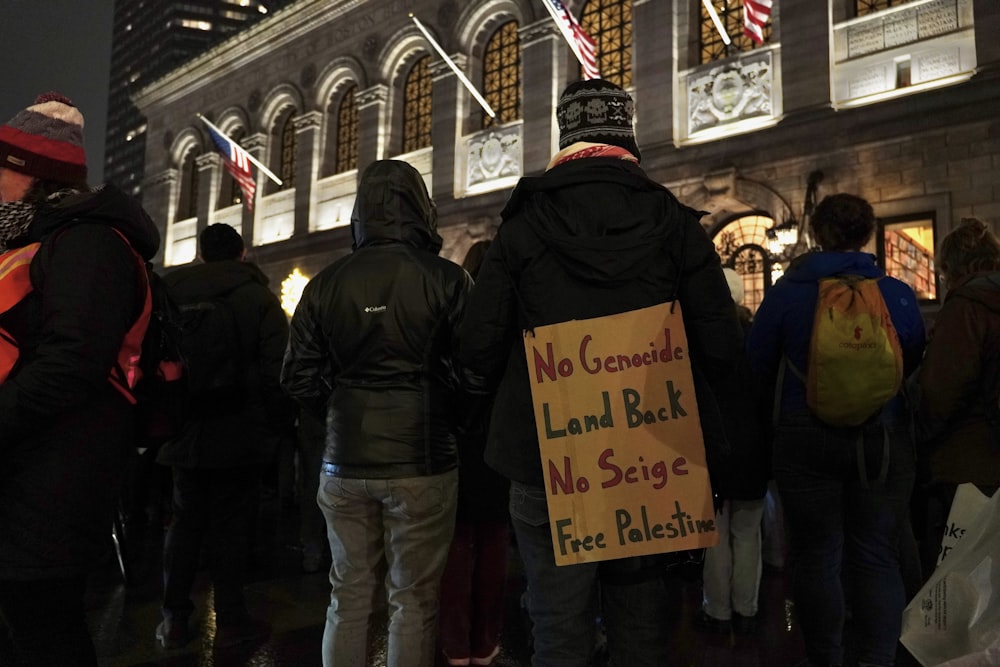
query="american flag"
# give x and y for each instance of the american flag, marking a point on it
(755, 16)
(581, 43)
(237, 162)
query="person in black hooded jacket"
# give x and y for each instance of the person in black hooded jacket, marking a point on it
(66, 420)
(593, 236)
(369, 354)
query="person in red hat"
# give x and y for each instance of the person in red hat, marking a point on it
(74, 305)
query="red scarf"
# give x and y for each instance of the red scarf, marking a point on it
(598, 151)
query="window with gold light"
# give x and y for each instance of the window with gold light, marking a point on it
(502, 75)
(743, 245)
(609, 24)
(417, 106)
(712, 46)
(906, 251)
(347, 132)
(288, 145)
(864, 7)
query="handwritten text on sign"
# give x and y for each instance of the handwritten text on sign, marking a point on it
(619, 436)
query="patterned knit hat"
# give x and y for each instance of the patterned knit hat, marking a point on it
(597, 111)
(45, 141)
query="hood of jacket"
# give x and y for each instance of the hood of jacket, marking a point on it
(210, 280)
(813, 266)
(104, 205)
(393, 206)
(982, 287)
(602, 218)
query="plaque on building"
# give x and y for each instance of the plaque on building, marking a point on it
(729, 93)
(900, 29)
(492, 155)
(871, 80)
(935, 65)
(937, 18)
(865, 38)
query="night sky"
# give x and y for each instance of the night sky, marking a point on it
(62, 45)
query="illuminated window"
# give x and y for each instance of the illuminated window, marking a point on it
(863, 7)
(502, 75)
(194, 24)
(287, 168)
(730, 14)
(417, 106)
(907, 253)
(347, 132)
(742, 245)
(188, 204)
(609, 24)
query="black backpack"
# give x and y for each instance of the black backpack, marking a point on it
(213, 357)
(161, 393)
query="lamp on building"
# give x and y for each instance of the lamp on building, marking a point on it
(790, 237)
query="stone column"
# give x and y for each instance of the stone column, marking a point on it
(208, 187)
(544, 55)
(307, 162)
(449, 97)
(652, 72)
(372, 111)
(255, 145)
(159, 199)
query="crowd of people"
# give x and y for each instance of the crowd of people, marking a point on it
(404, 379)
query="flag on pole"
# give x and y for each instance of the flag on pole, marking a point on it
(755, 16)
(237, 161)
(581, 43)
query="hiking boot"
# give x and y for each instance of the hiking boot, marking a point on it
(744, 625)
(711, 623)
(173, 633)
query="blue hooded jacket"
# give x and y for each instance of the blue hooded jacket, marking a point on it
(783, 323)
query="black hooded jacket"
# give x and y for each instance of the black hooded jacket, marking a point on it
(591, 237)
(371, 341)
(64, 429)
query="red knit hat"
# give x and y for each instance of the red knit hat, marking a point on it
(45, 141)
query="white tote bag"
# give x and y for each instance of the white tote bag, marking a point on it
(956, 615)
(965, 508)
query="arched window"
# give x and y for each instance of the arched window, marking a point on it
(287, 165)
(417, 106)
(863, 7)
(347, 132)
(502, 74)
(230, 192)
(742, 245)
(609, 24)
(730, 14)
(187, 207)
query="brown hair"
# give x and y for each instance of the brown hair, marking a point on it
(842, 222)
(969, 248)
(474, 257)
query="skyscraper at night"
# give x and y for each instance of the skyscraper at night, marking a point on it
(149, 39)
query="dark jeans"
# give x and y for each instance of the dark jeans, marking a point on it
(43, 624)
(214, 508)
(837, 520)
(472, 589)
(564, 602)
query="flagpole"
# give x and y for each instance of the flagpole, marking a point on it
(461, 77)
(252, 159)
(717, 21)
(565, 33)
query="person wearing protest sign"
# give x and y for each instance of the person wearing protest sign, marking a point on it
(845, 488)
(591, 237)
(960, 379)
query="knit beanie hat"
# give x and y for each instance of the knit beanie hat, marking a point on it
(597, 111)
(45, 141)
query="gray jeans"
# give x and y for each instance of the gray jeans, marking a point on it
(410, 523)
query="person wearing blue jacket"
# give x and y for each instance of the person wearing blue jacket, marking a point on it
(845, 505)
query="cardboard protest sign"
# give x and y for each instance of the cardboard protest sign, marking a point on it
(619, 435)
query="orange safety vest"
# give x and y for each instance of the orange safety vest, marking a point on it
(15, 285)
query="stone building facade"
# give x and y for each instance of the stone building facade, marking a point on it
(893, 100)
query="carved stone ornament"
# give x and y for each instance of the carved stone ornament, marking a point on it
(307, 77)
(371, 46)
(253, 102)
(493, 154)
(729, 93)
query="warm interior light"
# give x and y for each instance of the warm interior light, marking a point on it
(291, 290)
